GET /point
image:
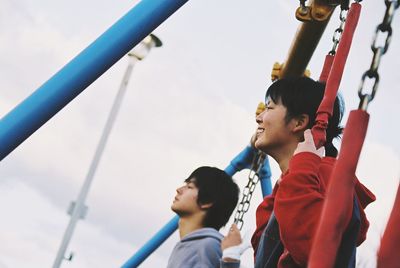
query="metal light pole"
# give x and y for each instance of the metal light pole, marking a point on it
(78, 209)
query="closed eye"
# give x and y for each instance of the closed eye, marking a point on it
(190, 185)
(268, 107)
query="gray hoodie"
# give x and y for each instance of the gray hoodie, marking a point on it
(199, 249)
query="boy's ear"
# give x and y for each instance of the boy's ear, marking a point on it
(206, 205)
(301, 123)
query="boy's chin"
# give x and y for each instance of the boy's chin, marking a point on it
(174, 209)
(258, 144)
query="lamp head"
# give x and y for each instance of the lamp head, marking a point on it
(141, 50)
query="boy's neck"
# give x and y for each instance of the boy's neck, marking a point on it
(189, 224)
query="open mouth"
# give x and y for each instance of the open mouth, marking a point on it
(260, 130)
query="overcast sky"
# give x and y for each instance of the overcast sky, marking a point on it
(189, 103)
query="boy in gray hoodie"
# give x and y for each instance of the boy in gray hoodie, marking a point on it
(204, 204)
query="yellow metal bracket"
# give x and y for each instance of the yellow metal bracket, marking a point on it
(314, 19)
(318, 10)
(260, 108)
(277, 69)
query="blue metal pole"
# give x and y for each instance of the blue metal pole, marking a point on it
(266, 186)
(84, 69)
(153, 243)
(265, 178)
(241, 161)
(244, 160)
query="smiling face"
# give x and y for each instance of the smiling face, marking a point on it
(185, 201)
(274, 132)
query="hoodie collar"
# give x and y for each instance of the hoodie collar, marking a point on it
(202, 233)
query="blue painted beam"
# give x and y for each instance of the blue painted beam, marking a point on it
(84, 69)
(265, 178)
(153, 244)
(244, 160)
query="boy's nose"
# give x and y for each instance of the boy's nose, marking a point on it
(179, 189)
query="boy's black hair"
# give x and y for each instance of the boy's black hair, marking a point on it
(218, 188)
(302, 95)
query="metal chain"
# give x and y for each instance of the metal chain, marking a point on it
(302, 3)
(303, 8)
(345, 4)
(244, 203)
(337, 35)
(378, 50)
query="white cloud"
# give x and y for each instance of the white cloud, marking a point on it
(32, 230)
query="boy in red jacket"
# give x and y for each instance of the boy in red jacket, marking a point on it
(287, 219)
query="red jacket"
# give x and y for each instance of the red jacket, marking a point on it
(297, 201)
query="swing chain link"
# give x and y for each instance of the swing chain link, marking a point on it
(303, 7)
(378, 50)
(248, 190)
(302, 3)
(337, 34)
